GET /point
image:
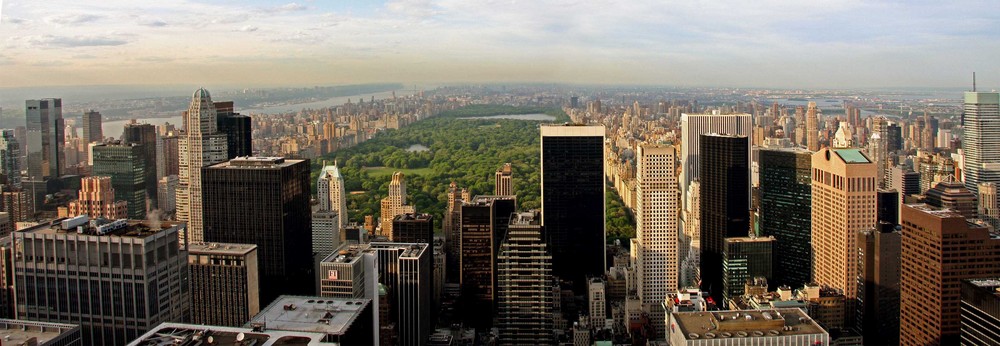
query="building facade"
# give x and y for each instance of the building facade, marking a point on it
(504, 179)
(224, 283)
(395, 203)
(725, 203)
(201, 145)
(237, 127)
(695, 125)
(981, 139)
(573, 193)
(97, 199)
(45, 138)
(275, 191)
(786, 213)
(330, 192)
(745, 259)
(484, 223)
(524, 284)
(878, 285)
(980, 312)
(146, 136)
(125, 164)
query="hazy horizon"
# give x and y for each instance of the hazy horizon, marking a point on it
(771, 44)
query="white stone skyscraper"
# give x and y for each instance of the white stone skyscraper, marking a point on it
(395, 203)
(656, 217)
(691, 261)
(695, 125)
(981, 139)
(201, 145)
(330, 192)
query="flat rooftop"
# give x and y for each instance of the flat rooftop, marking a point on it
(16, 332)
(329, 316)
(410, 250)
(745, 323)
(488, 199)
(749, 239)
(852, 155)
(525, 218)
(101, 227)
(346, 253)
(413, 217)
(220, 248)
(253, 162)
(180, 334)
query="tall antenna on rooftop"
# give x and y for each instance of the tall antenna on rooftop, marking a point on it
(973, 82)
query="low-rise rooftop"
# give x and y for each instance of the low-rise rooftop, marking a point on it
(83, 225)
(346, 253)
(745, 323)
(180, 334)
(220, 248)
(18, 332)
(329, 316)
(256, 162)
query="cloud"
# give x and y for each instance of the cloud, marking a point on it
(12, 20)
(74, 41)
(290, 7)
(72, 19)
(248, 28)
(156, 23)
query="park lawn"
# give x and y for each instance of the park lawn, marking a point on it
(386, 171)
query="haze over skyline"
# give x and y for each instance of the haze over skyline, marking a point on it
(775, 43)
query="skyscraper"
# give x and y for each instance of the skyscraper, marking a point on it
(406, 270)
(725, 203)
(988, 207)
(92, 130)
(395, 203)
(812, 127)
(264, 201)
(484, 224)
(110, 309)
(844, 189)
(939, 249)
(201, 145)
(325, 232)
(981, 139)
(743, 259)
(785, 212)
(224, 289)
(657, 259)
(10, 159)
(413, 228)
(45, 143)
(451, 225)
(695, 125)
(573, 211)
(237, 127)
(504, 181)
(97, 200)
(126, 166)
(524, 284)
(878, 285)
(145, 135)
(980, 316)
(330, 192)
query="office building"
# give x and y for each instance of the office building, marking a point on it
(812, 127)
(347, 273)
(18, 205)
(180, 334)
(786, 213)
(395, 203)
(988, 207)
(691, 260)
(878, 285)
(237, 127)
(97, 200)
(167, 193)
(92, 130)
(325, 232)
(773, 327)
(939, 248)
(504, 179)
(451, 225)
(597, 302)
(341, 321)
(275, 191)
(484, 224)
(330, 192)
(33, 333)
(224, 286)
(406, 271)
(202, 145)
(145, 135)
(10, 160)
(695, 125)
(951, 194)
(887, 216)
(125, 164)
(980, 312)
(844, 203)
(657, 259)
(981, 139)
(524, 284)
(573, 211)
(45, 138)
(171, 155)
(80, 290)
(744, 259)
(413, 228)
(725, 203)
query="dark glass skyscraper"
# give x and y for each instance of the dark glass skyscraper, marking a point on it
(46, 140)
(126, 166)
(264, 201)
(484, 224)
(413, 228)
(573, 201)
(145, 134)
(237, 129)
(725, 203)
(786, 212)
(92, 130)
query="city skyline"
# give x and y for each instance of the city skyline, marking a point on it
(777, 44)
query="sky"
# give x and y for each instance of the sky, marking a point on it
(763, 43)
